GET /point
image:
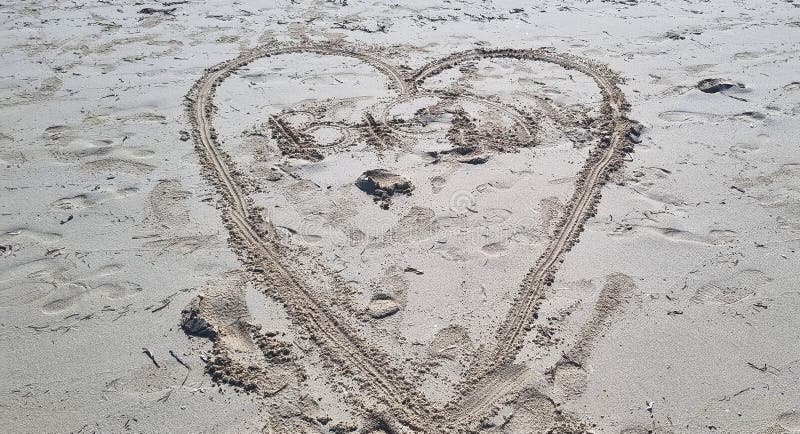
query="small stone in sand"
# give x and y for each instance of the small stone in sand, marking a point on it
(382, 306)
(714, 85)
(382, 184)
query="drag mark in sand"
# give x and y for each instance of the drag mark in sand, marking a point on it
(255, 242)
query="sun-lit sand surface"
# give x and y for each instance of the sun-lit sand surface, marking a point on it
(334, 217)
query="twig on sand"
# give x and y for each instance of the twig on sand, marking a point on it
(171, 353)
(166, 396)
(188, 368)
(151, 11)
(150, 355)
(277, 390)
(765, 368)
(165, 302)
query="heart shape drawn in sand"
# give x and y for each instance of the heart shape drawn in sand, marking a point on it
(427, 120)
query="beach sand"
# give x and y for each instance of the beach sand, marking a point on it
(340, 216)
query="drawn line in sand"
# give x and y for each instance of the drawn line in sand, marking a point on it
(254, 240)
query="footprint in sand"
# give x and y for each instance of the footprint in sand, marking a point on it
(53, 280)
(790, 421)
(452, 342)
(23, 293)
(107, 154)
(29, 282)
(167, 207)
(683, 116)
(534, 412)
(438, 183)
(569, 381)
(31, 92)
(95, 197)
(731, 289)
(11, 236)
(495, 249)
(183, 245)
(66, 296)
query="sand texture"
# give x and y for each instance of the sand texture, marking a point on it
(345, 217)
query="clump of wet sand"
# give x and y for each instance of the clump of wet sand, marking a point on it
(383, 184)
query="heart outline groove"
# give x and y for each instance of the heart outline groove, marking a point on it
(392, 399)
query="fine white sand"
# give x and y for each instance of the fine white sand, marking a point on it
(186, 249)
